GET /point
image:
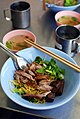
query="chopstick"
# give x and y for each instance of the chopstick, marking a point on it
(57, 57)
(44, 4)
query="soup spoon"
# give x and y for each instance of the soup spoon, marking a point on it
(19, 62)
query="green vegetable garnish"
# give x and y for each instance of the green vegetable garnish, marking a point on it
(74, 18)
(9, 44)
(70, 2)
(38, 60)
(51, 68)
(41, 70)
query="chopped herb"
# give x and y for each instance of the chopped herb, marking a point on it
(38, 60)
(51, 68)
(9, 44)
(41, 70)
(70, 2)
(74, 18)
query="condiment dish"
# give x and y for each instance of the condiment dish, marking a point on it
(67, 17)
(14, 40)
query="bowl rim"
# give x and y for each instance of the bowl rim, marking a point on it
(70, 11)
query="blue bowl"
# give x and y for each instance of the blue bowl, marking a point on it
(72, 80)
(56, 8)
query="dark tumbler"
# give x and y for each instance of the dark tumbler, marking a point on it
(20, 14)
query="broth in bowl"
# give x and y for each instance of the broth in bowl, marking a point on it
(69, 20)
(17, 42)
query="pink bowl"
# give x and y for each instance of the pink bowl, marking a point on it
(67, 13)
(18, 32)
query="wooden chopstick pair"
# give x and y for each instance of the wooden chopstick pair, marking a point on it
(57, 57)
(44, 4)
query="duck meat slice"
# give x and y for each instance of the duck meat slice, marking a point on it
(56, 83)
(54, 89)
(45, 87)
(20, 78)
(59, 83)
(56, 2)
(32, 67)
(45, 82)
(60, 88)
(38, 66)
(41, 77)
(31, 84)
(24, 79)
(50, 97)
(39, 96)
(31, 73)
(22, 73)
(17, 77)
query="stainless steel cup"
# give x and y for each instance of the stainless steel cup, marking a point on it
(66, 39)
(20, 14)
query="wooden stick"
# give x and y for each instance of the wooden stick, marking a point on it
(44, 4)
(57, 57)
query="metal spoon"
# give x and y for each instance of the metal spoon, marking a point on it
(19, 62)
